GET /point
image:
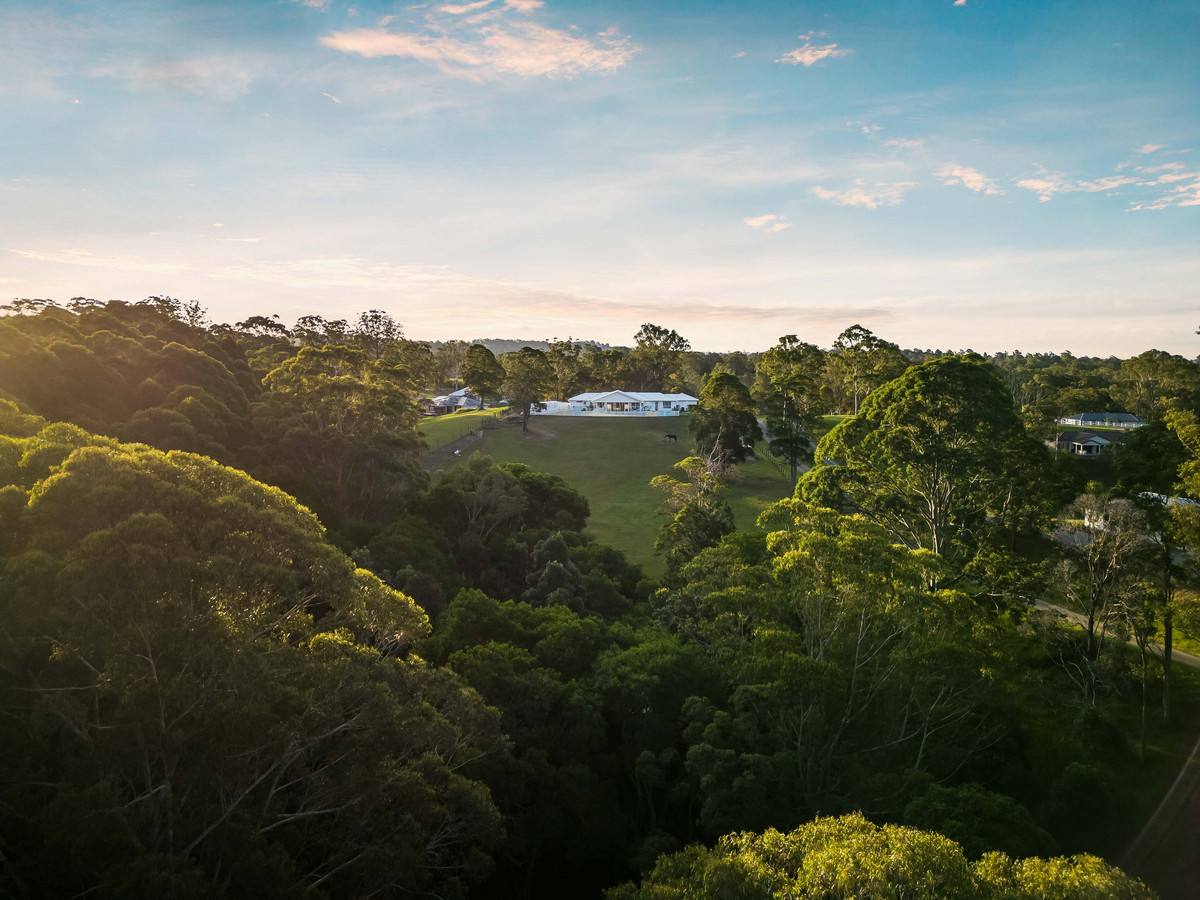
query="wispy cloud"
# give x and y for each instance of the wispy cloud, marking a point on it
(492, 302)
(226, 77)
(1047, 184)
(960, 2)
(458, 9)
(476, 41)
(809, 53)
(76, 257)
(331, 97)
(322, 5)
(1149, 148)
(1184, 190)
(770, 223)
(967, 177)
(904, 143)
(866, 197)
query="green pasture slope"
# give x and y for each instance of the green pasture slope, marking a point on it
(437, 431)
(611, 460)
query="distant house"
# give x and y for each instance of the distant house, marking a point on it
(623, 403)
(452, 402)
(1103, 420)
(1084, 443)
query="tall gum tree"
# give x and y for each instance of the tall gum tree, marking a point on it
(788, 386)
(929, 456)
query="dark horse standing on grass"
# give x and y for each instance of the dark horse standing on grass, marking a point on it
(670, 437)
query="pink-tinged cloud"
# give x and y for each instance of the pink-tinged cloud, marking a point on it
(530, 49)
(769, 223)
(866, 197)
(969, 178)
(524, 6)
(463, 8)
(1046, 185)
(960, 2)
(375, 42)
(76, 257)
(485, 45)
(1149, 148)
(1108, 183)
(810, 53)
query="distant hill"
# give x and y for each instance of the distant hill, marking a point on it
(509, 345)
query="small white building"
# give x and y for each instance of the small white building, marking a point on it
(624, 403)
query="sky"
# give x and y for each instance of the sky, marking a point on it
(986, 174)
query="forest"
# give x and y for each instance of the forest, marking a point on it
(250, 646)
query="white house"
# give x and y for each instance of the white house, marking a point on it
(625, 403)
(1103, 420)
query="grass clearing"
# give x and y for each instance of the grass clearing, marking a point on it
(611, 461)
(441, 430)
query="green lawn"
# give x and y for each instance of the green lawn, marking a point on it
(831, 421)
(611, 460)
(440, 430)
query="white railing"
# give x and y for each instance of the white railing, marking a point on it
(633, 414)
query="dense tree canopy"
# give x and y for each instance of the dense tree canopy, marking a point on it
(930, 456)
(204, 692)
(791, 393)
(199, 690)
(723, 424)
(851, 857)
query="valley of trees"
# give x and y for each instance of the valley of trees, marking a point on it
(250, 647)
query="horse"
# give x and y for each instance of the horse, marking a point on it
(670, 437)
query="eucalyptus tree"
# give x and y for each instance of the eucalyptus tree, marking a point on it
(528, 379)
(655, 359)
(482, 372)
(849, 856)
(930, 456)
(724, 420)
(861, 361)
(791, 395)
(203, 695)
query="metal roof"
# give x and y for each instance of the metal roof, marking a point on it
(631, 397)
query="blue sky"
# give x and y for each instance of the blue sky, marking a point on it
(986, 174)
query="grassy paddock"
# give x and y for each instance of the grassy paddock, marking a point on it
(611, 460)
(441, 430)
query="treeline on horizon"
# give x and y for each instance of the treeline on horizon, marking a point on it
(402, 684)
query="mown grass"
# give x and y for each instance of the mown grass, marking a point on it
(441, 430)
(611, 461)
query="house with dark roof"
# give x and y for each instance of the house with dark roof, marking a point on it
(452, 402)
(1102, 420)
(1084, 443)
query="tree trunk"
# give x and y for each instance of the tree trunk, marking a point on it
(1167, 636)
